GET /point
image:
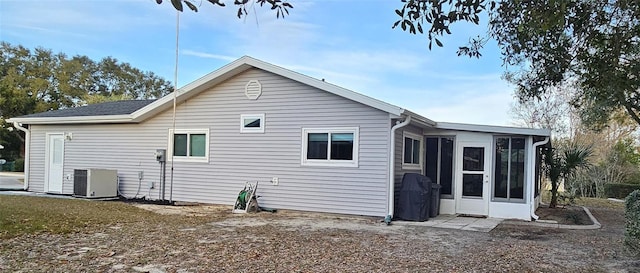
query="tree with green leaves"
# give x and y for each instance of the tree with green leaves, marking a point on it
(546, 43)
(561, 163)
(38, 80)
(281, 7)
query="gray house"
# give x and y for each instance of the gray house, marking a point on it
(312, 145)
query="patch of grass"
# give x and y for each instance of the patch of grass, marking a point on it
(599, 203)
(587, 202)
(29, 215)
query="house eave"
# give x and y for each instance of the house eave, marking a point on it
(493, 129)
(75, 119)
(244, 63)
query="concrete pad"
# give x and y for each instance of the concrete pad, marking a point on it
(450, 221)
(483, 225)
(451, 225)
(11, 181)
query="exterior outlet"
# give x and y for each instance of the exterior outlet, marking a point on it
(151, 184)
(274, 181)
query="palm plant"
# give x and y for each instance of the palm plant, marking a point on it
(561, 163)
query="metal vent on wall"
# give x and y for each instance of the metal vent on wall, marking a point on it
(253, 89)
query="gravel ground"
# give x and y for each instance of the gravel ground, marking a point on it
(307, 242)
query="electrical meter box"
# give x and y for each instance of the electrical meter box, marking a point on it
(161, 155)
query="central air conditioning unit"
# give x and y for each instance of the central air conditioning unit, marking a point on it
(95, 183)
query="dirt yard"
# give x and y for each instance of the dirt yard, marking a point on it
(308, 242)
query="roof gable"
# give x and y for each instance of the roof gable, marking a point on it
(238, 66)
(135, 111)
(194, 88)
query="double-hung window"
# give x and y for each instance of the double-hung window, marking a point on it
(412, 146)
(330, 147)
(189, 145)
(509, 173)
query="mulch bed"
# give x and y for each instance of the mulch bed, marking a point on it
(568, 215)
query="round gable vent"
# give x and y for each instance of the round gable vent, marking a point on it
(253, 89)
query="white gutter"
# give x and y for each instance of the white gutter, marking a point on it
(392, 171)
(27, 140)
(532, 175)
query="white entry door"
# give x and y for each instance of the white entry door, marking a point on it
(55, 162)
(473, 173)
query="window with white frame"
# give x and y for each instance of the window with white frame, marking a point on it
(189, 145)
(252, 123)
(330, 147)
(438, 162)
(412, 145)
(509, 172)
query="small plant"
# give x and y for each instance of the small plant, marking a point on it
(568, 198)
(632, 223)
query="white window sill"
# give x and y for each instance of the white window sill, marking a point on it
(406, 166)
(325, 163)
(189, 159)
(250, 131)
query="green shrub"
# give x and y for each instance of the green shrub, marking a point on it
(19, 165)
(9, 166)
(632, 223)
(620, 191)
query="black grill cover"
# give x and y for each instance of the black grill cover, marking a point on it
(415, 197)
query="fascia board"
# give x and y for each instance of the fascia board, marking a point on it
(328, 87)
(493, 129)
(191, 89)
(76, 120)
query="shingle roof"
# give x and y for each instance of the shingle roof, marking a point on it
(123, 107)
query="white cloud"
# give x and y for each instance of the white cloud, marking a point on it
(189, 52)
(376, 61)
(488, 104)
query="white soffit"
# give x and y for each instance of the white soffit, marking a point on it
(493, 129)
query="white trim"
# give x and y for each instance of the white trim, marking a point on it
(74, 119)
(187, 158)
(525, 174)
(27, 153)
(493, 129)
(439, 162)
(412, 166)
(244, 129)
(472, 204)
(532, 172)
(47, 158)
(329, 162)
(228, 71)
(251, 85)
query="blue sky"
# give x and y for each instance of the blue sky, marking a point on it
(348, 43)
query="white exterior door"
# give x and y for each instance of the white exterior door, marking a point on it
(473, 173)
(55, 162)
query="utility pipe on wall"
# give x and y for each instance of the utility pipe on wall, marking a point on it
(532, 175)
(27, 141)
(392, 171)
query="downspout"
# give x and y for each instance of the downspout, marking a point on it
(532, 175)
(27, 140)
(392, 171)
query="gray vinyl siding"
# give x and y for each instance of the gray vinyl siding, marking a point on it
(399, 146)
(235, 158)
